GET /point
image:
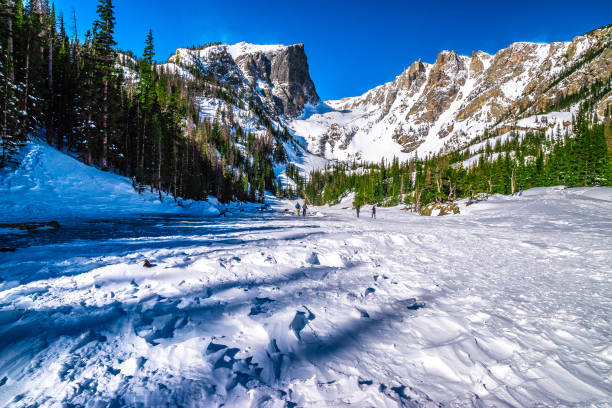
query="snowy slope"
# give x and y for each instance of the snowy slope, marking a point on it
(507, 305)
(49, 184)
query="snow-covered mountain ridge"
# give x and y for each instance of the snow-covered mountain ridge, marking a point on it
(444, 105)
(428, 108)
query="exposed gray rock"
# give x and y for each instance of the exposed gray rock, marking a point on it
(286, 73)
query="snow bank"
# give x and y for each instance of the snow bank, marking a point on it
(560, 192)
(52, 185)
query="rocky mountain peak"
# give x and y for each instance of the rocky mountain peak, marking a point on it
(280, 74)
(440, 106)
(276, 75)
(449, 61)
(477, 63)
(415, 70)
(447, 76)
(412, 77)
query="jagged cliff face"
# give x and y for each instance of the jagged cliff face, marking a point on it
(275, 76)
(440, 106)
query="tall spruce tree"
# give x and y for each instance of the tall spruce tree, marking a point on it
(104, 52)
(12, 121)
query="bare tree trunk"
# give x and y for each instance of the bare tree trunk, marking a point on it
(142, 146)
(159, 161)
(89, 139)
(138, 135)
(417, 200)
(41, 34)
(10, 43)
(438, 180)
(27, 78)
(174, 151)
(513, 182)
(4, 139)
(50, 128)
(105, 128)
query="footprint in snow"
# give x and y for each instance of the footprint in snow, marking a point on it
(261, 305)
(227, 359)
(228, 263)
(241, 370)
(412, 304)
(363, 384)
(213, 347)
(363, 314)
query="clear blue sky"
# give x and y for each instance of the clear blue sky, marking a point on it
(352, 46)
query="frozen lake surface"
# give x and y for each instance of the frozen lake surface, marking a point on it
(507, 304)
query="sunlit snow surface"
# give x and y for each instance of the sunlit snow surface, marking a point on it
(506, 304)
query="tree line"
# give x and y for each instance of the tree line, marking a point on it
(521, 161)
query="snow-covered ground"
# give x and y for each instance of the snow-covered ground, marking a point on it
(507, 304)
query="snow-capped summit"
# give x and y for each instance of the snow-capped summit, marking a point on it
(274, 76)
(243, 48)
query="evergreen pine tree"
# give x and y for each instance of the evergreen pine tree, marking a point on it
(12, 120)
(104, 43)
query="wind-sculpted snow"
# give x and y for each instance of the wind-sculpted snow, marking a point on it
(506, 304)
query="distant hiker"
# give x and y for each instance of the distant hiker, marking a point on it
(297, 208)
(373, 211)
(304, 208)
(358, 208)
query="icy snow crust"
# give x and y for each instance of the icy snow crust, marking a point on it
(506, 304)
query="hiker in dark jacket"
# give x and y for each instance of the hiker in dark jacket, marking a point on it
(304, 208)
(297, 208)
(358, 208)
(373, 211)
